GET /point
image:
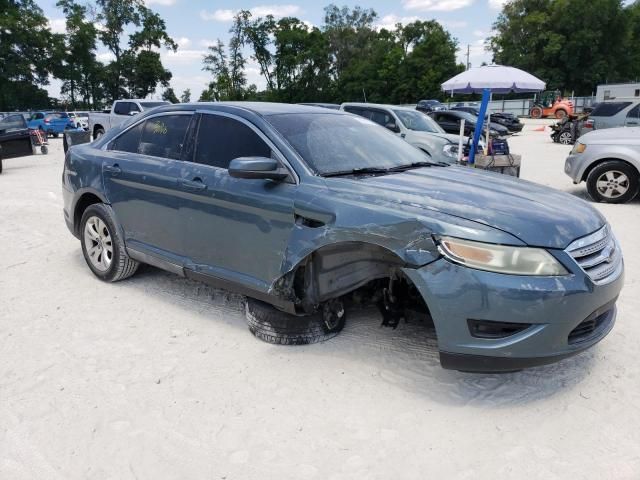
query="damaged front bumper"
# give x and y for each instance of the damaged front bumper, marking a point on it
(490, 322)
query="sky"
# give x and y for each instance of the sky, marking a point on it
(196, 24)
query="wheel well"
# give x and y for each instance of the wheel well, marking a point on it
(83, 203)
(595, 164)
(96, 128)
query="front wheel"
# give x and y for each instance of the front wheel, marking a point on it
(55, 135)
(560, 114)
(613, 182)
(102, 245)
(565, 138)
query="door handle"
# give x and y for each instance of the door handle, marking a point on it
(195, 184)
(113, 170)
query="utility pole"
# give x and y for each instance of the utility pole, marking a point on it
(468, 64)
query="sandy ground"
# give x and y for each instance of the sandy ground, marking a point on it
(158, 377)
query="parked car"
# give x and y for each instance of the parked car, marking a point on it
(609, 162)
(51, 123)
(15, 140)
(451, 119)
(121, 110)
(428, 106)
(613, 114)
(80, 119)
(511, 122)
(300, 210)
(414, 127)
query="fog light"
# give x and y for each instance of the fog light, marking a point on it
(490, 329)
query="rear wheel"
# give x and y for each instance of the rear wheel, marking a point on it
(560, 114)
(102, 245)
(98, 133)
(273, 326)
(54, 135)
(536, 112)
(613, 182)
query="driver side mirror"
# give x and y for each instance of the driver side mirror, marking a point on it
(393, 127)
(257, 168)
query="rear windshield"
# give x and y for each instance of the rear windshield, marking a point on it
(609, 109)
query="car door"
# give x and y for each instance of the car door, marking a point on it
(141, 169)
(235, 229)
(15, 140)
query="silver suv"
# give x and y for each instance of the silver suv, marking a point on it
(621, 113)
(609, 161)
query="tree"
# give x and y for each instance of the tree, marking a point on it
(568, 51)
(80, 69)
(28, 53)
(170, 96)
(186, 96)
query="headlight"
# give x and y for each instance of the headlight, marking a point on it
(579, 148)
(450, 150)
(500, 258)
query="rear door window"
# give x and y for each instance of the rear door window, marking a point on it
(634, 112)
(122, 108)
(609, 109)
(164, 136)
(222, 139)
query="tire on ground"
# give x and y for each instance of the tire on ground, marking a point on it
(122, 266)
(273, 326)
(613, 166)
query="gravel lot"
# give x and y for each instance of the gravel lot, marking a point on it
(157, 377)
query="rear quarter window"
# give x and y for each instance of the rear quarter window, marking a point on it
(609, 109)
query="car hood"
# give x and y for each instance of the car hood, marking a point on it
(451, 138)
(605, 136)
(537, 215)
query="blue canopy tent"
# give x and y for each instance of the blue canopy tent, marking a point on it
(490, 79)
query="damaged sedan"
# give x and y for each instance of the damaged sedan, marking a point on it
(306, 210)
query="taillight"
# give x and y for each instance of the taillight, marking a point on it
(46, 120)
(589, 124)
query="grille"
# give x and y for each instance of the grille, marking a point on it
(585, 330)
(598, 255)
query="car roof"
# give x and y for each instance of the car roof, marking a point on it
(259, 108)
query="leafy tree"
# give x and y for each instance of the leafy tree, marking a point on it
(186, 96)
(568, 51)
(27, 53)
(80, 69)
(169, 95)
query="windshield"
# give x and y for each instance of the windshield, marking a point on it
(417, 121)
(331, 143)
(148, 105)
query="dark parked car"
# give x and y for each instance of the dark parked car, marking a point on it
(507, 120)
(300, 209)
(15, 140)
(428, 106)
(451, 119)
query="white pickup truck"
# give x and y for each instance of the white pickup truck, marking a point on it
(100, 122)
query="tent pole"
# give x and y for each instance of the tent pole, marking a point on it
(486, 94)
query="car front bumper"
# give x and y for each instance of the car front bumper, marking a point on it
(575, 165)
(551, 310)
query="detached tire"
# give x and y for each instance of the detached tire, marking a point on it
(560, 114)
(273, 326)
(613, 181)
(102, 245)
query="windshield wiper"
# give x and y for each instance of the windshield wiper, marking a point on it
(402, 168)
(356, 171)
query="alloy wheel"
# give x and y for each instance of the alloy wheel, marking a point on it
(98, 243)
(612, 184)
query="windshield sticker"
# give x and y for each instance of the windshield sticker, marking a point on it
(159, 128)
